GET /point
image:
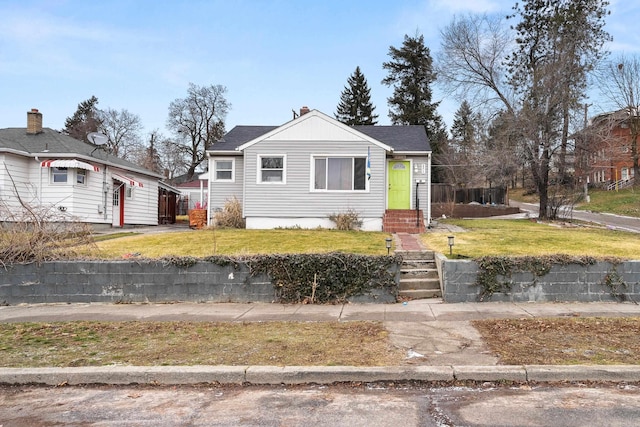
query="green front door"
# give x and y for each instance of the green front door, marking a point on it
(399, 185)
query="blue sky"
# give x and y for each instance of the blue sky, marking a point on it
(273, 56)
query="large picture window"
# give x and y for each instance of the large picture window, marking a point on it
(340, 173)
(223, 170)
(272, 169)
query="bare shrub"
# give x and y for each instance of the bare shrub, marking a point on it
(36, 234)
(349, 220)
(231, 215)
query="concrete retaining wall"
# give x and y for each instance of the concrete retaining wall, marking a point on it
(140, 281)
(571, 282)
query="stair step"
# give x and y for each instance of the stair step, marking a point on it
(419, 284)
(418, 294)
(418, 274)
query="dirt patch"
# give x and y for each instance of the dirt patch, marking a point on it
(563, 341)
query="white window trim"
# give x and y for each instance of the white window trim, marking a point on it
(312, 174)
(51, 176)
(259, 180)
(233, 169)
(86, 177)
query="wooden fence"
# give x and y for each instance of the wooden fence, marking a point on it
(445, 193)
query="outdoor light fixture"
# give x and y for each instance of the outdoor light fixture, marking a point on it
(388, 244)
(450, 238)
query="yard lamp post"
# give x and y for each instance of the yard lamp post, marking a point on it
(450, 238)
(388, 244)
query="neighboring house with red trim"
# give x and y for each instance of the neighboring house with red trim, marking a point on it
(312, 167)
(42, 168)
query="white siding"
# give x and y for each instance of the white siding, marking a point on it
(82, 202)
(296, 198)
(14, 180)
(142, 207)
(221, 191)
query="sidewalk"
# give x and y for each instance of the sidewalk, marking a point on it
(439, 342)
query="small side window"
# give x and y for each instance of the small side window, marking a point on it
(81, 176)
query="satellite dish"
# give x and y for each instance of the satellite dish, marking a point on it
(97, 138)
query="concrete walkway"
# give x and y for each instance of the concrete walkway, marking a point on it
(438, 339)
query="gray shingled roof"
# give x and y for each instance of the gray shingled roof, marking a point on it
(62, 146)
(412, 138)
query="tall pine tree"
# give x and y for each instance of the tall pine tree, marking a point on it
(411, 75)
(355, 106)
(463, 129)
(85, 120)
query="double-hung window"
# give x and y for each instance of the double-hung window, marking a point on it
(59, 175)
(223, 170)
(340, 173)
(272, 169)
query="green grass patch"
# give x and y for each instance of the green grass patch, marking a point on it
(487, 237)
(207, 242)
(622, 202)
(84, 343)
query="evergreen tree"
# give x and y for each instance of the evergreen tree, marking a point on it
(85, 120)
(463, 129)
(355, 106)
(411, 75)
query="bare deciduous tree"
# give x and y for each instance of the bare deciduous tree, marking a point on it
(198, 120)
(123, 131)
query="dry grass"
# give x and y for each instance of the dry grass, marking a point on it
(195, 343)
(563, 341)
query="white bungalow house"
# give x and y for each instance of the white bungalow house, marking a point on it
(40, 167)
(300, 173)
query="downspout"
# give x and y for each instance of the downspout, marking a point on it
(39, 184)
(105, 190)
(417, 204)
(428, 190)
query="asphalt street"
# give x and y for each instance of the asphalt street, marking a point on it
(611, 221)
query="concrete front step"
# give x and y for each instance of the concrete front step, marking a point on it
(420, 284)
(418, 294)
(419, 274)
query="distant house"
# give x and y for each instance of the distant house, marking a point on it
(193, 193)
(300, 173)
(42, 168)
(608, 161)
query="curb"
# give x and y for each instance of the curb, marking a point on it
(276, 375)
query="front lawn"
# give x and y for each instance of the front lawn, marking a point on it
(207, 242)
(491, 237)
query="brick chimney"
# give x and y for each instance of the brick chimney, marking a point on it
(34, 122)
(304, 110)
